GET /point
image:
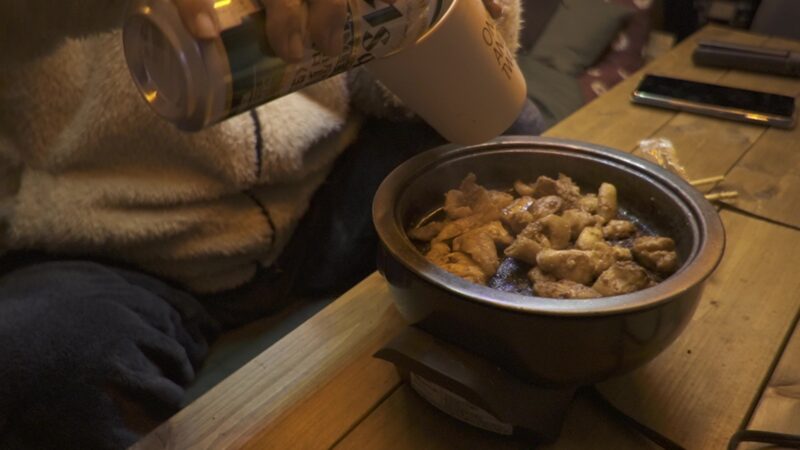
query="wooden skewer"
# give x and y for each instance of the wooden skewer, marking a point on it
(722, 195)
(708, 180)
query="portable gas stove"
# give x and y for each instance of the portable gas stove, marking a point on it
(475, 390)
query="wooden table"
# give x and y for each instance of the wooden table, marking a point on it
(320, 387)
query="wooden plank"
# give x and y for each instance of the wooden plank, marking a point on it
(406, 421)
(697, 392)
(288, 386)
(705, 146)
(612, 121)
(708, 147)
(768, 177)
(778, 409)
(326, 415)
(589, 426)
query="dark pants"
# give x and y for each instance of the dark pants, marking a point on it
(91, 355)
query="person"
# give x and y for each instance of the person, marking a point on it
(128, 246)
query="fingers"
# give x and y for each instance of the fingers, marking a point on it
(286, 28)
(199, 18)
(326, 21)
(495, 9)
(290, 24)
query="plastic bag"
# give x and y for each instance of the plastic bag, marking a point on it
(661, 151)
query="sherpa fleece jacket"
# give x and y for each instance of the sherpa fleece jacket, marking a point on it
(86, 168)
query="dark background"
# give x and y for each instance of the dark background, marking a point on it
(683, 17)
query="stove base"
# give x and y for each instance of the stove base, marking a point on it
(475, 390)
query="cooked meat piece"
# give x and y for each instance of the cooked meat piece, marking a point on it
(538, 228)
(484, 204)
(652, 243)
(622, 278)
(426, 232)
(522, 204)
(481, 247)
(462, 265)
(621, 253)
(607, 201)
(568, 190)
(619, 229)
(455, 205)
(523, 189)
(456, 263)
(578, 220)
(516, 214)
(537, 276)
(546, 206)
(589, 237)
(574, 265)
(471, 198)
(602, 257)
(524, 249)
(588, 203)
(544, 186)
(564, 289)
(656, 253)
(469, 185)
(498, 233)
(517, 222)
(438, 253)
(535, 231)
(460, 226)
(662, 261)
(557, 231)
(500, 199)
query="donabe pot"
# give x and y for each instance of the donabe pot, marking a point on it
(550, 342)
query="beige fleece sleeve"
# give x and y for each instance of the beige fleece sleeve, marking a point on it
(31, 28)
(86, 168)
(370, 97)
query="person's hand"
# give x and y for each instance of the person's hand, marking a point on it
(290, 23)
(495, 9)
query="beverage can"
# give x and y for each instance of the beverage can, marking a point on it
(195, 83)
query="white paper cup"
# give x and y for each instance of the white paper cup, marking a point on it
(460, 76)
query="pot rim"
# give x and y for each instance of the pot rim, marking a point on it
(703, 218)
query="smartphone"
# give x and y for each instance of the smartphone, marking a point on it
(715, 100)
